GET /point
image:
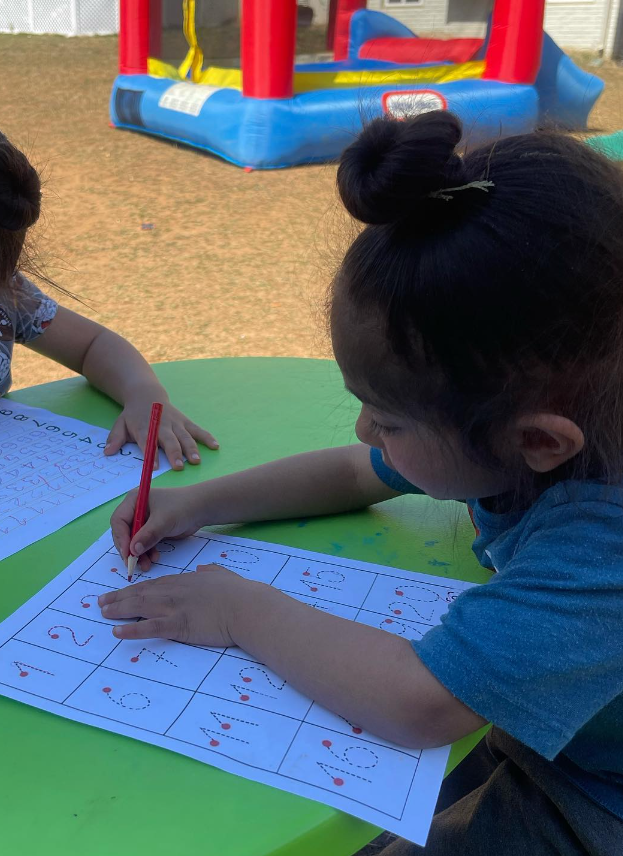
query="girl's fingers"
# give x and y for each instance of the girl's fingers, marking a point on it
(117, 438)
(202, 436)
(172, 448)
(154, 628)
(138, 606)
(189, 447)
(137, 590)
(146, 538)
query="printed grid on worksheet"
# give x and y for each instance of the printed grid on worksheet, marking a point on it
(223, 702)
(41, 471)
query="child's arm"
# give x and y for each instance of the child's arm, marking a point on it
(328, 481)
(115, 367)
(370, 677)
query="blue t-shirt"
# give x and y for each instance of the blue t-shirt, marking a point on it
(538, 650)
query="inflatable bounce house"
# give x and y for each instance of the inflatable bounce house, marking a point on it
(271, 112)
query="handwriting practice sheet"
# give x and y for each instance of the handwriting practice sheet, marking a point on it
(221, 706)
(53, 470)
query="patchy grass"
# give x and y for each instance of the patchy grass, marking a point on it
(236, 263)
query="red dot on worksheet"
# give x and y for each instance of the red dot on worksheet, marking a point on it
(106, 689)
(338, 782)
(313, 588)
(398, 612)
(388, 621)
(244, 698)
(54, 636)
(305, 573)
(214, 743)
(399, 593)
(113, 570)
(23, 674)
(225, 726)
(326, 743)
(223, 555)
(86, 605)
(247, 680)
(134, 659)
(356, 729)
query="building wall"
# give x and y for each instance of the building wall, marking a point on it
(571, 23)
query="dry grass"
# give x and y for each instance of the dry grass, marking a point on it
(236, 263)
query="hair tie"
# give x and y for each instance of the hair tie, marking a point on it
(446, 193)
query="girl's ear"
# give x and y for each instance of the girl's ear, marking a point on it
(546, 441)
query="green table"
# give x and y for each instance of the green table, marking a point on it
(72, 790)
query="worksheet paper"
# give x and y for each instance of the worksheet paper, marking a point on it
(221, 706)
(53, 470)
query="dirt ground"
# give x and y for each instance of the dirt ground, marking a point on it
(236, 264)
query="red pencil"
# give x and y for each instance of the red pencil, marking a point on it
(142, 500)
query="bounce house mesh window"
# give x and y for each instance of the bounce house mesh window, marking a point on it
(217, 25)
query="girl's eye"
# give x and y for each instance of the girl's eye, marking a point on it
(383, 430)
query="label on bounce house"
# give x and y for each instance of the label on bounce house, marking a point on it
(186, 97)
(403, 104)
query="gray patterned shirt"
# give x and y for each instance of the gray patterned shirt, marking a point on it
(25, 312)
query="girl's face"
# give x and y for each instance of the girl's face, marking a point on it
(430, 459)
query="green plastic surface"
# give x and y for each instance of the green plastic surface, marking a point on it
(74, 790)
(610, 145)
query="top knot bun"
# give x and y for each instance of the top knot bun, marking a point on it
(393, 165)
(20, 189)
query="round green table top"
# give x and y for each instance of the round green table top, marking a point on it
(70, 789)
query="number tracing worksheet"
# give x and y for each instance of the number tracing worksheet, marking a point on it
(221, 706)
(53, 470)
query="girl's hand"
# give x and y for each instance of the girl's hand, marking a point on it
(177, 436)
(197, 608)
(173, 513)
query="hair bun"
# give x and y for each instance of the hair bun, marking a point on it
(393, 165)
(20, 189)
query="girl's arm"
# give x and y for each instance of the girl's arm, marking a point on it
(372, 678)
(328, 481)
(114, 366)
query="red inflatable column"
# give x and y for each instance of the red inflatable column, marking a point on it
(341, 26)
(133, 36)
(267, 47)
(516, 43)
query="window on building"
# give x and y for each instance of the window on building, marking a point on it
(390, 3)
(468, 11)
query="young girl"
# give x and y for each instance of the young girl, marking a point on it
(29, 317)
(478, 318)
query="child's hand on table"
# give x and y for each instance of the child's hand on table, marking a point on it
(177, 437)
(196, 608)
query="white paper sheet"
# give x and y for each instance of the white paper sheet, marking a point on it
(221, 706)
(53, 470)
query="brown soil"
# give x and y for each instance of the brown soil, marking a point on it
(236, 264)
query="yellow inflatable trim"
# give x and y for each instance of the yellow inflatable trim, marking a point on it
(309, 81)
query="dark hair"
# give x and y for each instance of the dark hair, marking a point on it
(20, 204)
(499, 298)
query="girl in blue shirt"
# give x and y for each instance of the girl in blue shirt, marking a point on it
(478, 318)
(29, 317)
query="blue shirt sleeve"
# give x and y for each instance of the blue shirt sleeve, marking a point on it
(390, 477)
(538, 650)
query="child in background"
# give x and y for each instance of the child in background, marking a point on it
(109, 362)
(478, 318)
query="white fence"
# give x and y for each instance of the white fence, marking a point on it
(65, 17)
(97, 17)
